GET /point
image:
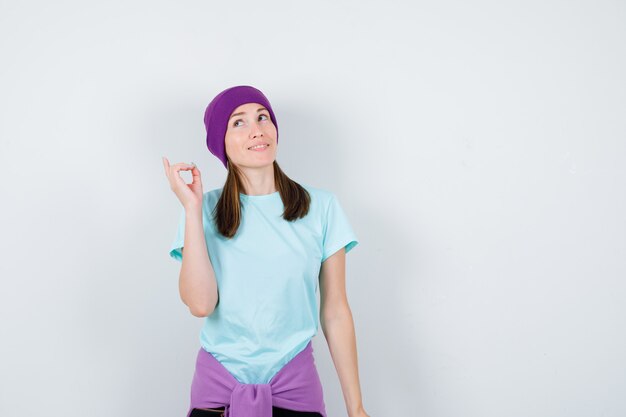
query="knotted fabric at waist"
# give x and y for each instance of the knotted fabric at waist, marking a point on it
(296, 386)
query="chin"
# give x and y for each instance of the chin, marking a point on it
(259, 164)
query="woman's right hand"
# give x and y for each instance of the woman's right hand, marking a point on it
(190, 195)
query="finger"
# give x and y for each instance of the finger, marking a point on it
(176, 179)
(181, 166)
(173, 172)
(166, 166)
(195, 175)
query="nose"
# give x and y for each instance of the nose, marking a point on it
(256, 130)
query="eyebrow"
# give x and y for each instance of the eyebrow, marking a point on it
(240, 113)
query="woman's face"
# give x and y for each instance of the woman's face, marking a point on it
(249, 125)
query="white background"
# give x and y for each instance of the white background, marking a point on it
(477, 148)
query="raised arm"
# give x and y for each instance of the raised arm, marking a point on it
(197, 284)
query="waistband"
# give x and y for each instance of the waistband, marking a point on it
(296, 386)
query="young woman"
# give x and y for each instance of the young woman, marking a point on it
(254, 251)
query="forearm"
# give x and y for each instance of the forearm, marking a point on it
(197, 285)
(340, 336)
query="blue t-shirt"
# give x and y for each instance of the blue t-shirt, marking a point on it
(267, 278)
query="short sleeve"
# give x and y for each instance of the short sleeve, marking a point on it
(179, 239)
(338, 232)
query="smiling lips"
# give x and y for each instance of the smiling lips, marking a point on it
(260, 147)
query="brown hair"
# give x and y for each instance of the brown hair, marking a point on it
(227, 211)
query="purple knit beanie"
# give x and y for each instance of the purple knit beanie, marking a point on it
(219, 109)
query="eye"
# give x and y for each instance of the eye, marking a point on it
(264, 115)
(235, 122)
